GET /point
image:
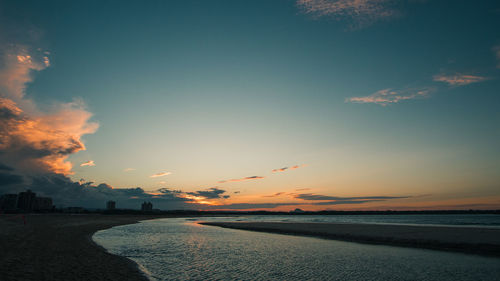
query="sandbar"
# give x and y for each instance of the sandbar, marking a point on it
(472, 240)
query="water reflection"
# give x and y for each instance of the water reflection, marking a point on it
(181, 249)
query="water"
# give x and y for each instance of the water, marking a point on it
(181, 249)
(462, 220)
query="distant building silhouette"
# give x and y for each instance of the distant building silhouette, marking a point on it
(111, 205)
(42, 203)
(8, 202)
(25, 201)
(147, 207)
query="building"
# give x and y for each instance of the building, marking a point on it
(26, 200)
(111, 205)
(8, 202)
(147, 207)
(43, 204)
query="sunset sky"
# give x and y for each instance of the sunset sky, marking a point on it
(276, 105)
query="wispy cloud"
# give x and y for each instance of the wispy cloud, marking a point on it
(161, 174)
(242, 179)
(459, 79)
(361, 12)
(388, 96)
(318, 197)
(88, 163)
(274, 195)
(129, 169)
(287, 168)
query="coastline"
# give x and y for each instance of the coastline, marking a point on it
(479, 241)
(60, 247)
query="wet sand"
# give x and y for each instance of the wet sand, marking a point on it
(59, 247)
(482, 241)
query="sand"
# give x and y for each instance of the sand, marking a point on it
(59, 247)
(482, 241)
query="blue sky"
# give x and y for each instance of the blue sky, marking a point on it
(386, 98)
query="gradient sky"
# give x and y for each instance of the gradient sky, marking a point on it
(368, 104)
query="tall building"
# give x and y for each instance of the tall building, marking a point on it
(43, 204)
(111, 205)
(26, 200)
(8, 202)
(147, 207)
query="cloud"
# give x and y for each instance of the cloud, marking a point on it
(212, 193)
(388, 96)
(274, 195)
(249, 206)
(496, 50)
(31, 140)
(18, 63)
(361, 12)
(242, 179)
(128, 169)
(5, 168)
(161, 174)
(88, 163)
(9, 179)
(302, 189)
(311, 196)
(458, 79)
(287, 168)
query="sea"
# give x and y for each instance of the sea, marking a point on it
(182, 249)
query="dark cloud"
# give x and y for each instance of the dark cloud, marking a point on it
(247, 206)
(310, 196)
(66, 192)
(5, 168)
(242, 179)
(275, 194)
(10, 179)
(212, 193)
(342, 202)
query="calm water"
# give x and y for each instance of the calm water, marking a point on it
(181, 249)
(483, 220)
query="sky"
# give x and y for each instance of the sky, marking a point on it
(252, 105)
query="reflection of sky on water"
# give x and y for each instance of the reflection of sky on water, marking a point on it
(181, 249)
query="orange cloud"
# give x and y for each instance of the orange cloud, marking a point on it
(388, 96)
(88, 163)
(44, 142)
(242, 179)
(161, 174)
(459, 79)
(287, 168)
(30, 139)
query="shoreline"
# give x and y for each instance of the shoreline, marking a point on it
(60, 247)
(479, 241)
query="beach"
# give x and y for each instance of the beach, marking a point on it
(481, 241)
(60, 247)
